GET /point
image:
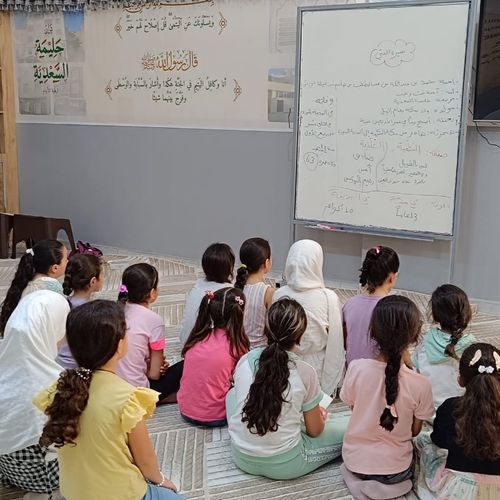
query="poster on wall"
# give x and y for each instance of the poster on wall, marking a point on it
(175, 63)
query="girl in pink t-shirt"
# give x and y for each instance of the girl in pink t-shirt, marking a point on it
(211, 352)
(145, 365)
(379, 274)
(389, 401)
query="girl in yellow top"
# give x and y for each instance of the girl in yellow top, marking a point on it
(97, 420)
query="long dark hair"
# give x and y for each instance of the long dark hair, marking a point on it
(80, 270)
(477, 414)
(43, 255)
(93, 332)
(395, 325)
(286, 322)
(221, 309)
(139, 280)
(253, 254)
(218, 263)
(451, 309)
(378, 264)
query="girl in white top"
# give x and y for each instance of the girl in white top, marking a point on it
(218, 265)
(39, 269)
(273, 391)
(437, 355)
(255, 258)
(27, 365)
(323, 344)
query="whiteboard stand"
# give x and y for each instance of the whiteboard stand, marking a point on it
(465, 23)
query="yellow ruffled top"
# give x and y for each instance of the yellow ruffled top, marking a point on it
(101, 465)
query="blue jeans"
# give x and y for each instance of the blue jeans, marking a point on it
(213, 423)
(159, 493)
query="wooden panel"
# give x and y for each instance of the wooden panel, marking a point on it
(9, 190)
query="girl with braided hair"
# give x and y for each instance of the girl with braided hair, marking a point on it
(274, 393)
(437, 355)
(389, 401)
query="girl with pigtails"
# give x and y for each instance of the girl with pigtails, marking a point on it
(389, 401)
(460, 460)
(211, 351)
(378, 275)
(274, 391)
(96, 420)
(438, 354)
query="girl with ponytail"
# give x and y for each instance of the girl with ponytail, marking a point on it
(389, 401)
(468, 428)
(84, 276)
(437, 355)
(379, 274)
(96, 420)
(255, 258)
(39, 269)
(273, 391)
(211, 352)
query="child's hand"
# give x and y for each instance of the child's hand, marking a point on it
(324, 413)
(164, 366)
(169, 485)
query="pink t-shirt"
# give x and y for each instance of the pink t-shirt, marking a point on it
(145, 331)
(368, 448)
(357, 313)
(206, 378)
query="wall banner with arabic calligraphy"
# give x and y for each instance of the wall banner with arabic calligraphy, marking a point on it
(178, 63)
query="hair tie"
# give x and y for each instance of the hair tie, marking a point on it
(377, 249)
(243, 266)
(240, 301)
(123, 289)
(210, 295)
(392, 409)
(84, 373)
(30, 251)
(485, 369)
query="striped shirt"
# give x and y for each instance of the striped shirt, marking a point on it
(255, 313)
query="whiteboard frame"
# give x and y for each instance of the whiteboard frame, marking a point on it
(468, 54)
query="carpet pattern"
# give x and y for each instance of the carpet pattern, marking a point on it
(199, 460)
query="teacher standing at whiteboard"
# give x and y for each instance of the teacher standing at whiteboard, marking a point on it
(322, 345)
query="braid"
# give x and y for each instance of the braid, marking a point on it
(387, 419)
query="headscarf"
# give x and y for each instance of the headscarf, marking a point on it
(304, 266)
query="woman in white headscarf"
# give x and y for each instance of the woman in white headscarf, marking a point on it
(28, 350)
(322, 345)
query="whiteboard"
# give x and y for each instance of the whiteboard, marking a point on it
(380, 109)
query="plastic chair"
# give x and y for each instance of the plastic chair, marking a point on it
(30, 228)
(373, 490)
(6, 221)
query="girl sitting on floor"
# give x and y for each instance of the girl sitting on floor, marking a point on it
(379, 274)
(255, 257)
(218, 265)
(437, 355)
(389, 401)
(84, 276)
(144, 364)
(39, 269)
(466, 426)
(97, 420)
(322, 345)
(273, 391)
(211, 352)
